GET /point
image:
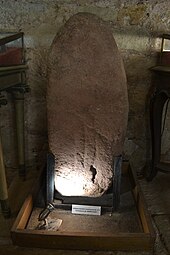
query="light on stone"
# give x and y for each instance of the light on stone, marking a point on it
(71, 185)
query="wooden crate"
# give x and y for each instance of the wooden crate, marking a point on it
(87, 240)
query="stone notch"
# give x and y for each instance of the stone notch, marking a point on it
(87, 105)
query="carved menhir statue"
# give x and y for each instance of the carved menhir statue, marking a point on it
(87, 106)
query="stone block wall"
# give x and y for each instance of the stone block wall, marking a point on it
(136, 25)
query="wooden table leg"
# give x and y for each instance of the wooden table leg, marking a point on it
(156, 109)
(19, 114)
(3, 187)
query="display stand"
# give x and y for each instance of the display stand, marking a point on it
(87, 240)
(12, 80)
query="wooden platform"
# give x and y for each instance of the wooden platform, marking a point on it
(84, 239)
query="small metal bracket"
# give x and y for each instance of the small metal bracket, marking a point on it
(42, 218)
(50, 178)
(117, 167)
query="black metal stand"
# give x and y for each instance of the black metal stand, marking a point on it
(50, 178)
(109, 202)
(116, 182)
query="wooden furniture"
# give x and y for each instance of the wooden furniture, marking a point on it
(160, 96)
(157, 102)
(12, 80)
(83, 240)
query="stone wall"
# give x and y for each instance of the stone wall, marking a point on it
(136, 27)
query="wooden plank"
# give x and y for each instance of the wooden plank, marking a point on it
(143, 213)
(16, 68)
(10, 38)
(141, 205)
(10, 80)
(140, 210)
(165, 69)
(83, 241)
(23, 215)
(19, 190)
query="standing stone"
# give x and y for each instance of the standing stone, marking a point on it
(87, 106)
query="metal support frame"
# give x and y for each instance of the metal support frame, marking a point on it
(50, 191)
(50, 178)
(117, 182)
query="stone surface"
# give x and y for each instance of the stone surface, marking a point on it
(87, 105)
(157, 194)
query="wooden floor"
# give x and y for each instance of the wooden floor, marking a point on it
(157, 194)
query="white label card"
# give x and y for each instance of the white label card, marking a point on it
(86, 209)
